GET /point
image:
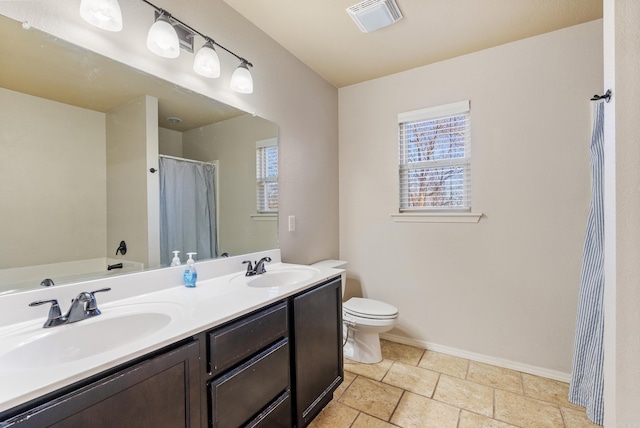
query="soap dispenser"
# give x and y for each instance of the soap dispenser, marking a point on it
(176, 260)
(190, 273)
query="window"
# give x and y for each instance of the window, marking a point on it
(434, 159)
(267, 175)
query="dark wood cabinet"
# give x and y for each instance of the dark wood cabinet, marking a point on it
(249, 370)
(278, 415)
(317, 330)
(245, 392)
(160, 391)
(274, 368)
(243, 338)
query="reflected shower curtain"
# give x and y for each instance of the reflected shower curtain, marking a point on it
(587, 382)
(187, 209)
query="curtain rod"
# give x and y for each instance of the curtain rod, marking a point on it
(154, 170)
(186, 160)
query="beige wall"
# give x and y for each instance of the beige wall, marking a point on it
(286, 91)
(233, 144)
(130, 214)
(622, 207)
(63, 218)
(505, 287)
(170, 142)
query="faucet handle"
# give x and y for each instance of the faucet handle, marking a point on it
(55, 315)
(92, 305)
(250, 270)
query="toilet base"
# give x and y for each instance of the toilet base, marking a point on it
(362, 346)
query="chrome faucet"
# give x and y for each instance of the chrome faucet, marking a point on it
(82, 307)
(259, 266)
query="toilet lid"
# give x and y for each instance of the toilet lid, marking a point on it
(369, 308)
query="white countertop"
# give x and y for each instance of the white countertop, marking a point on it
(213, 302)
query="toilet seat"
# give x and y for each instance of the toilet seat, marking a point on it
(363, 321)
(369, 309)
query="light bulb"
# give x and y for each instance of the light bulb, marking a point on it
(104, 14)
(162, 39)
(241, 80)
(206, 62)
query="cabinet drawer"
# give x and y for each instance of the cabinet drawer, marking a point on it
(278, 415)
(240, 395)
(239, 340)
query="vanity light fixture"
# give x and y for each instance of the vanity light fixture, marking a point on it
(206, 62)
(241, 80)
(103, 14)
(162, 38)
(167, 36)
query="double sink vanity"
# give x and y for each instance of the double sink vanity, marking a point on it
(255, 351)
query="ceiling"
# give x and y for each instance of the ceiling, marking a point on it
(323, 36)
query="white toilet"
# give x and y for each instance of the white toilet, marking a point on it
(362, 322)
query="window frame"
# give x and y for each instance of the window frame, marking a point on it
(263, 179)
(461, 108)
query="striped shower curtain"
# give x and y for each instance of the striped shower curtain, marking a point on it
(586, 388)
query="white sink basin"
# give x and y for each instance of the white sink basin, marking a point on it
(281, 277)
(36, 347)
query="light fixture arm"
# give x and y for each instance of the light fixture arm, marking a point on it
(190, 28)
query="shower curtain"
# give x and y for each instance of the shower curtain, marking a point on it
(187, 209)
(586, 387)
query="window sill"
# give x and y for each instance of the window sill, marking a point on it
(265, 217)
(437, 217)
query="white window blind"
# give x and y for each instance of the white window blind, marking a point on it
(435, 158)
(267, 175)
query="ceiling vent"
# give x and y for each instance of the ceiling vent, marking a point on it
(371, 15)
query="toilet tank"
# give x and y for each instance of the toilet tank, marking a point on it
(335, 264)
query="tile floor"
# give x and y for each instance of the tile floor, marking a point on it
(412, 387)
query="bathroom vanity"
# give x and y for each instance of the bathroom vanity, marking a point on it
(275, 365)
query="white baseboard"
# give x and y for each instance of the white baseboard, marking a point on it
(500, 362)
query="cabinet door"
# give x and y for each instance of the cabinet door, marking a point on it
(318, 349)
(159, 392)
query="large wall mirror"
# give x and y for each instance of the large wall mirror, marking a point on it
(81, 142)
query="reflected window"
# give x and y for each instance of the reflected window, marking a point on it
(267, 175)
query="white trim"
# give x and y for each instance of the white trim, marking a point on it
(216, 174)
(265, 217)
(434, 112)
(480, 358)
(436, 217)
